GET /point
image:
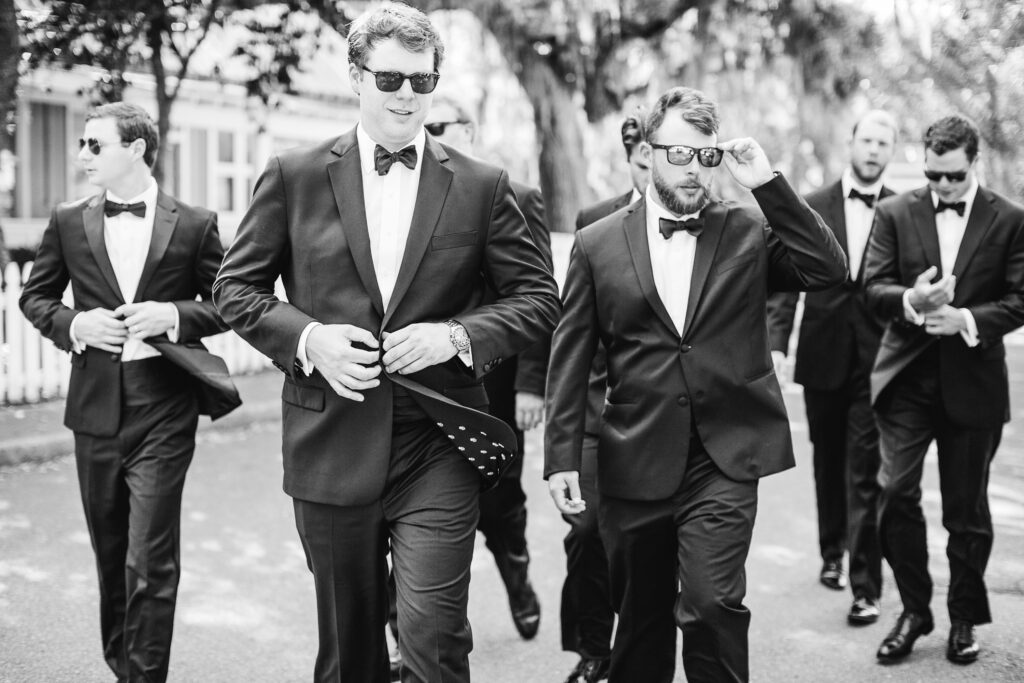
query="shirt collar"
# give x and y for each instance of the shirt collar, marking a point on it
(148, 195)
(851, 183)
(367, 145)
(967, 199)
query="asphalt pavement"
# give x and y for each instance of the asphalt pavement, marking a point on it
(246, 608)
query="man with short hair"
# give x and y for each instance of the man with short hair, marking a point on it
(385, 240)
(838, 341)
(945, 267)
(586, 610)
(675, 286)
(137, 259)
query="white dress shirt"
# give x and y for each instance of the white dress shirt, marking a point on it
(671, 261)
(858, 219)
(950, 229)
(127, 239)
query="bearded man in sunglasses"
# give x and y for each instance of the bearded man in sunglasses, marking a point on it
(945, 267)
(675, 288)
(386, 241)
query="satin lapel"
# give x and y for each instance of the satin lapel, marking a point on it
(346, 176)
(978, 224)
(164, 222)
(635, 227)
(923, 214)
(435, 179)
(92, 220)
(837, 217)
(707, 245)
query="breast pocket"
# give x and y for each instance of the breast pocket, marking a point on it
(736, 261)
(453, 240)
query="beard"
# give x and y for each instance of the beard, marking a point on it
(867, 174)
(675, 200)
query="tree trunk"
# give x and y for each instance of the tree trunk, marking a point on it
(10, 53)
(154, 38)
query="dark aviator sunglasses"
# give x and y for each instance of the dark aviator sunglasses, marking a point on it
(438, 128)
(95, 146)
(390, 81)
(681, 155)
(954, 176)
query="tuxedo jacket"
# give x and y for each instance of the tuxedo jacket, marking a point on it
(595, 212)
(184, 254)
(307, 224)
(716, 379)
(839, 334)
(989, 270)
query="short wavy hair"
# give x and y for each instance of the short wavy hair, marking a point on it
(953, 132)
(632, 131)
(697, 109)
(409, 26)
(133, 123)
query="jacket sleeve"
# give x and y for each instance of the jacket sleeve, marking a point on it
(41, 296)
(532, 364)
(199, 319)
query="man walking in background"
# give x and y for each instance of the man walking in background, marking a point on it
(838, 341)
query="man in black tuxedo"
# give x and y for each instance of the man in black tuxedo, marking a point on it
(587, 614)
(137, 259)
(675, 287)
(945, 268)
(387, 242)
(838, 341)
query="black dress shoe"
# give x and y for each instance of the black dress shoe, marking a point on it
(525, 610)
(589, 671)
(832, 575)
(864, 610)
(962, 647)
(900, 641)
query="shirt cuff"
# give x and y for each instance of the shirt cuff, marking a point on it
(467, 356)
(175, 332)
(970, 335)
(300, 353)
(908, 310)
(76, 345)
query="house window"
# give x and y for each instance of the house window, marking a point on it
(48, 158)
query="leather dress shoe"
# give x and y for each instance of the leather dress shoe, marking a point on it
(525, 610)
(589, 671)
(963, 648)
(864, 610)
(832, 575)
(900, 641)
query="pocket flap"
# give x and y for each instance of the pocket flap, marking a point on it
(310, 398)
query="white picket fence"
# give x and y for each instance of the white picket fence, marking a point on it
(32, 369)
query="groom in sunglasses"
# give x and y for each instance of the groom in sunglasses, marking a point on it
(386, 241)
(674, 287)
(945, 267)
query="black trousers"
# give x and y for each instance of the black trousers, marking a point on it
(910, 417)
(846, 462)
(688, 551)
(131, 486)
(427, 516)
(586, 612)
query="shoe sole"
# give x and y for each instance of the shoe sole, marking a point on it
(963, 660)
(860, 621)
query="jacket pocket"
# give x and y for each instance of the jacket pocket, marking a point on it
(454, 239)
(736, 261)
(310, 398)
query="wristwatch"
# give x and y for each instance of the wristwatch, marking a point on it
(457, 335)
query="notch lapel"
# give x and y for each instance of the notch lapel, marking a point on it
(435, 180)
(707, 244)
(92, 220)
(346, 176)
(978, 224)
(635, 227)
(165, 219)
(923, 214)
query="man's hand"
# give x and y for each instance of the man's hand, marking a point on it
(147, 318)
(349, 370)
(565, 491)
(927, 295)
(945, 321)
(416, 347)
(529, 410)
(747, 162)
(101, 328)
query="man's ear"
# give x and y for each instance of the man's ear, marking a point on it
(646, 152)
(355, 77)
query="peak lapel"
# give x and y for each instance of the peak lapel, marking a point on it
(346, 176)
(635, 227)
(978, 224)
(164, 221)
(92, 220)
(707, 245)
(435, 179)
(923, 214)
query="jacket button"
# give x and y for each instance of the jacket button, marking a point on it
(114, 357)
(684, 348)
(683, 400)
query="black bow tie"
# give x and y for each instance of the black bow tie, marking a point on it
(667, 226)
(868, 199)
(383, 159)
(112, 208)
(959, 207)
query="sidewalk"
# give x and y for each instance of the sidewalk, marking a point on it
(36, 432)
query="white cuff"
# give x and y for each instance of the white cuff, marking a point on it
(970, 335)
(467, 356)
(908, 310)
(76, 345)
(300, 353)
(175, 332)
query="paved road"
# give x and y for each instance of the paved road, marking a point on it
(246, 604)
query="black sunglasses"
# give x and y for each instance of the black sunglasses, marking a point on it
(95, 146)
(954, 176)
(681, 155)
(438, 128)
(390, 81)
